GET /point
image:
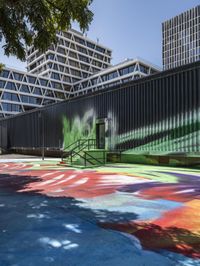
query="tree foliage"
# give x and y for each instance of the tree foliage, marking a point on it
(1, 67)
(27, 22)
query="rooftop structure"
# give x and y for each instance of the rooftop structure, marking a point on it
(125, 71)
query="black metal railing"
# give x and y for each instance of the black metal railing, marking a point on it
(80, 149)
(78, 146)
(95, 160)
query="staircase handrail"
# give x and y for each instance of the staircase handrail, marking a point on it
(75, 142)
(80, 145)
(89, 160)
(74, 152)
(92, 157)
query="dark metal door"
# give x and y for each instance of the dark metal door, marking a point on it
(100, 132)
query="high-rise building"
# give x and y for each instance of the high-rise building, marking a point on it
(74, 66)
(50, 75)
(181, 39)
(71, 59)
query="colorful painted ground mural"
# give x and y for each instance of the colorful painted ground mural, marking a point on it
(120, 214)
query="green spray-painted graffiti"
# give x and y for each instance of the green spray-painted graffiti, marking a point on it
(79, 128)
(180, 133)
(162, 137)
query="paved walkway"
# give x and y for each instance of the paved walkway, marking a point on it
(115, 215)
(14, 157)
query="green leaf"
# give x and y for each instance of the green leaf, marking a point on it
(26, 22)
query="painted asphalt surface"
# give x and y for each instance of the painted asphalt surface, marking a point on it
(113, 215)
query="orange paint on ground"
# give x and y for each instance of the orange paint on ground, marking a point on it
(187, 217)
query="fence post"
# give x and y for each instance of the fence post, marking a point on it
(41, 129)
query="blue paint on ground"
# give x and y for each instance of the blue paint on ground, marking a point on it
(39, 230)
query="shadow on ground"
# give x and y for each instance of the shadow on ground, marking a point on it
(40, 230)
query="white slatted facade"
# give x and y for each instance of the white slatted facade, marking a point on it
(72, 67)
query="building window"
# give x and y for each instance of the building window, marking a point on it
(31, 79)
(79, 40)
(94, 81)
(85, 75)
(61, 68)
(112, 75)
(61, 41)
(2, 83)
(11, 107)
(61, 50)
(67, 87)
(10, 97)
(59, 95)
(43, 82)
(90, 45)
(32, 66)
(82, 50)
(85, 84)
(66, 79)
(56, 85)
(10, 86)
(55, 67)
(75, 73)
(74, 80)
(49, 93)
(83, 58)
(50, 57)
(17, 76)
(72, 54)
(55, 76)
(4, 73)
(67, 35)
(61, 59)
(144, 69)
(74, 63)
(37, 91)
(24, 88)
(100, 49)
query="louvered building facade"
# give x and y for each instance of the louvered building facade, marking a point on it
(181, 39)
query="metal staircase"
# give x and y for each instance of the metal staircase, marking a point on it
(79, 153)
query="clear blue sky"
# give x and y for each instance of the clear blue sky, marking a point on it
(130, 28)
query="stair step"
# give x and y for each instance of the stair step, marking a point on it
(94, 157)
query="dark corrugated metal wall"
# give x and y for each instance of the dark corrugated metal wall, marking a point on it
(155, 113)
